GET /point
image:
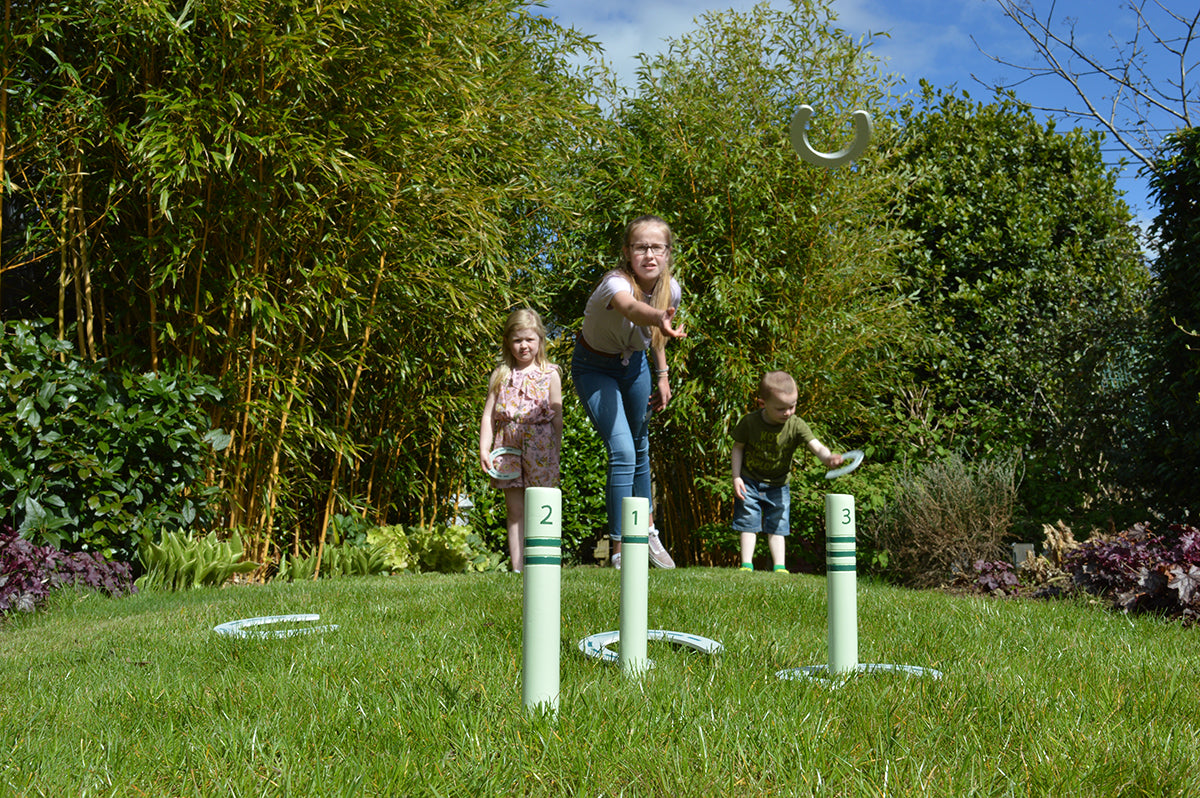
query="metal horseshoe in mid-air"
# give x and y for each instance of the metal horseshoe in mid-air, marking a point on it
(799, 135)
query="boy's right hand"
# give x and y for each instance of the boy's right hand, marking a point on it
(739, 488)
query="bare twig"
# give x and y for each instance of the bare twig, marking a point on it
(1141, 92)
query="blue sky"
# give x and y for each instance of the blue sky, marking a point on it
(931, 39)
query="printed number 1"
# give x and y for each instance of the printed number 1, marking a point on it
(846, 513)
(549, 512)
(635, 512)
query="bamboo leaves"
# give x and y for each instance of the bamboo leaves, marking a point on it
(327, 208)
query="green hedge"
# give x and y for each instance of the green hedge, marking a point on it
(92, 459)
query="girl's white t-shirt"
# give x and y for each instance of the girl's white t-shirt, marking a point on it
(605, 329)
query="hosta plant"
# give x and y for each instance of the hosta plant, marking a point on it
(181, 561)
(444, 549)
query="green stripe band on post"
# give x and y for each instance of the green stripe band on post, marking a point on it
(534, 560)
(840, 539)
(533, 543)
(635, 539)
(840, 568)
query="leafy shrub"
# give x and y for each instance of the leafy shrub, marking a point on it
(1143, 571)
(944, 516)
(719, 542)
(94, 460)
(29, 572)
(181, 561)
(445, 549)
(584, 473)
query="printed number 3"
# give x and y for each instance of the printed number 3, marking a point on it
(549, 512)
(846, 513)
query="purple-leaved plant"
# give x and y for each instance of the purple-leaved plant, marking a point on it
(28, 572)
(994, 576)
(1143, 571)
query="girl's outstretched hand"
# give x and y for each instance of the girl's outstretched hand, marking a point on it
(667, 328)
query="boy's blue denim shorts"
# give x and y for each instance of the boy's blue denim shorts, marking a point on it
(766, 509)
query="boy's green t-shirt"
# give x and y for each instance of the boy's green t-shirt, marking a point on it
(769, 447)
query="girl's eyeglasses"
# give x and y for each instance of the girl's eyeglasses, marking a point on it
(654, 249)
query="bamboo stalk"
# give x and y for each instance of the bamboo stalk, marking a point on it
(64, 264)
(75, 243)
(82, 272)
(197, 324)
(268, 519)
(435, 464)
(337, 463)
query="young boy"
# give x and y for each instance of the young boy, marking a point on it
(763, 444)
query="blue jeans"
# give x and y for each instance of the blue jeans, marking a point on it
(765, 509)
(616, 397)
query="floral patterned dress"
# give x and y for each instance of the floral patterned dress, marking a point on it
(521, 418)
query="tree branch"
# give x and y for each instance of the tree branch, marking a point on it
(1133, 87)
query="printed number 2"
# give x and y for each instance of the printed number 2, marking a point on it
(549, 512)
(846, 513)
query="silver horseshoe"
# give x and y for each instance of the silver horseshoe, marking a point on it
(799, 135)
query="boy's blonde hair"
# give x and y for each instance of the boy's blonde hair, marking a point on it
(776, 384)
(520, 319)
(661, 298)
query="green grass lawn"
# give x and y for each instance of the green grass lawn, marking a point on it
(418, 692)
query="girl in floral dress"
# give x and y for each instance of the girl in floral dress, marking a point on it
(523, 411)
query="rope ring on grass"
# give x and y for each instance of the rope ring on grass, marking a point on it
(820, 673)
(597, 646)
(243, 627)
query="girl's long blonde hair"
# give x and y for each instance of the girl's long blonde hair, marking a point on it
(520, 319)
(660, 299)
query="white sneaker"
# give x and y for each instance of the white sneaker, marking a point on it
(658, 554)
(616, 560)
